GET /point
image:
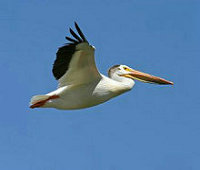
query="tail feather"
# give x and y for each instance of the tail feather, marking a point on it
(37, 98)
(40, 100)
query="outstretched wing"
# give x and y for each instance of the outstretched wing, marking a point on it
(75, 63)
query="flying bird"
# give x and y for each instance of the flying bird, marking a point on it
(80, 84)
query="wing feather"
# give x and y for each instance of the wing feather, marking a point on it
(72, 40)
(75, 63)
(80, 32)
(75, 35)
(61, 64)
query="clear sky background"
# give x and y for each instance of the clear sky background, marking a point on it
(149, 128)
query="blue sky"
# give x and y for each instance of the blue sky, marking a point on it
(149, 128)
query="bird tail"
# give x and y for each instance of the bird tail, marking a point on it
(38, 101)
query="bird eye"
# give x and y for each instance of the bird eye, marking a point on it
(125, 68)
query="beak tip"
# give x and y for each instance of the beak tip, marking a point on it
(166, 82)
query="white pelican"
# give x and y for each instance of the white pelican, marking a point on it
(81, 85)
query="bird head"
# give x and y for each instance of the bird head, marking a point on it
(121, 72)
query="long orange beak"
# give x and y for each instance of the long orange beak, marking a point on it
(147, 78)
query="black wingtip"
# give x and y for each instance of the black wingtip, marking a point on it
(75, 23)
(80, 32)
(75, 35)
(72, 40)
(78, 38)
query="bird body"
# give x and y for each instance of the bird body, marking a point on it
(86, 95)
(80, 83)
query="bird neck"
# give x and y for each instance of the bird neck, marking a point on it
(125, 83)
(128, 83)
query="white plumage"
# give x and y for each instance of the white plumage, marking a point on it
(80, 83)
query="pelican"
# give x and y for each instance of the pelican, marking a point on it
(80, 84)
